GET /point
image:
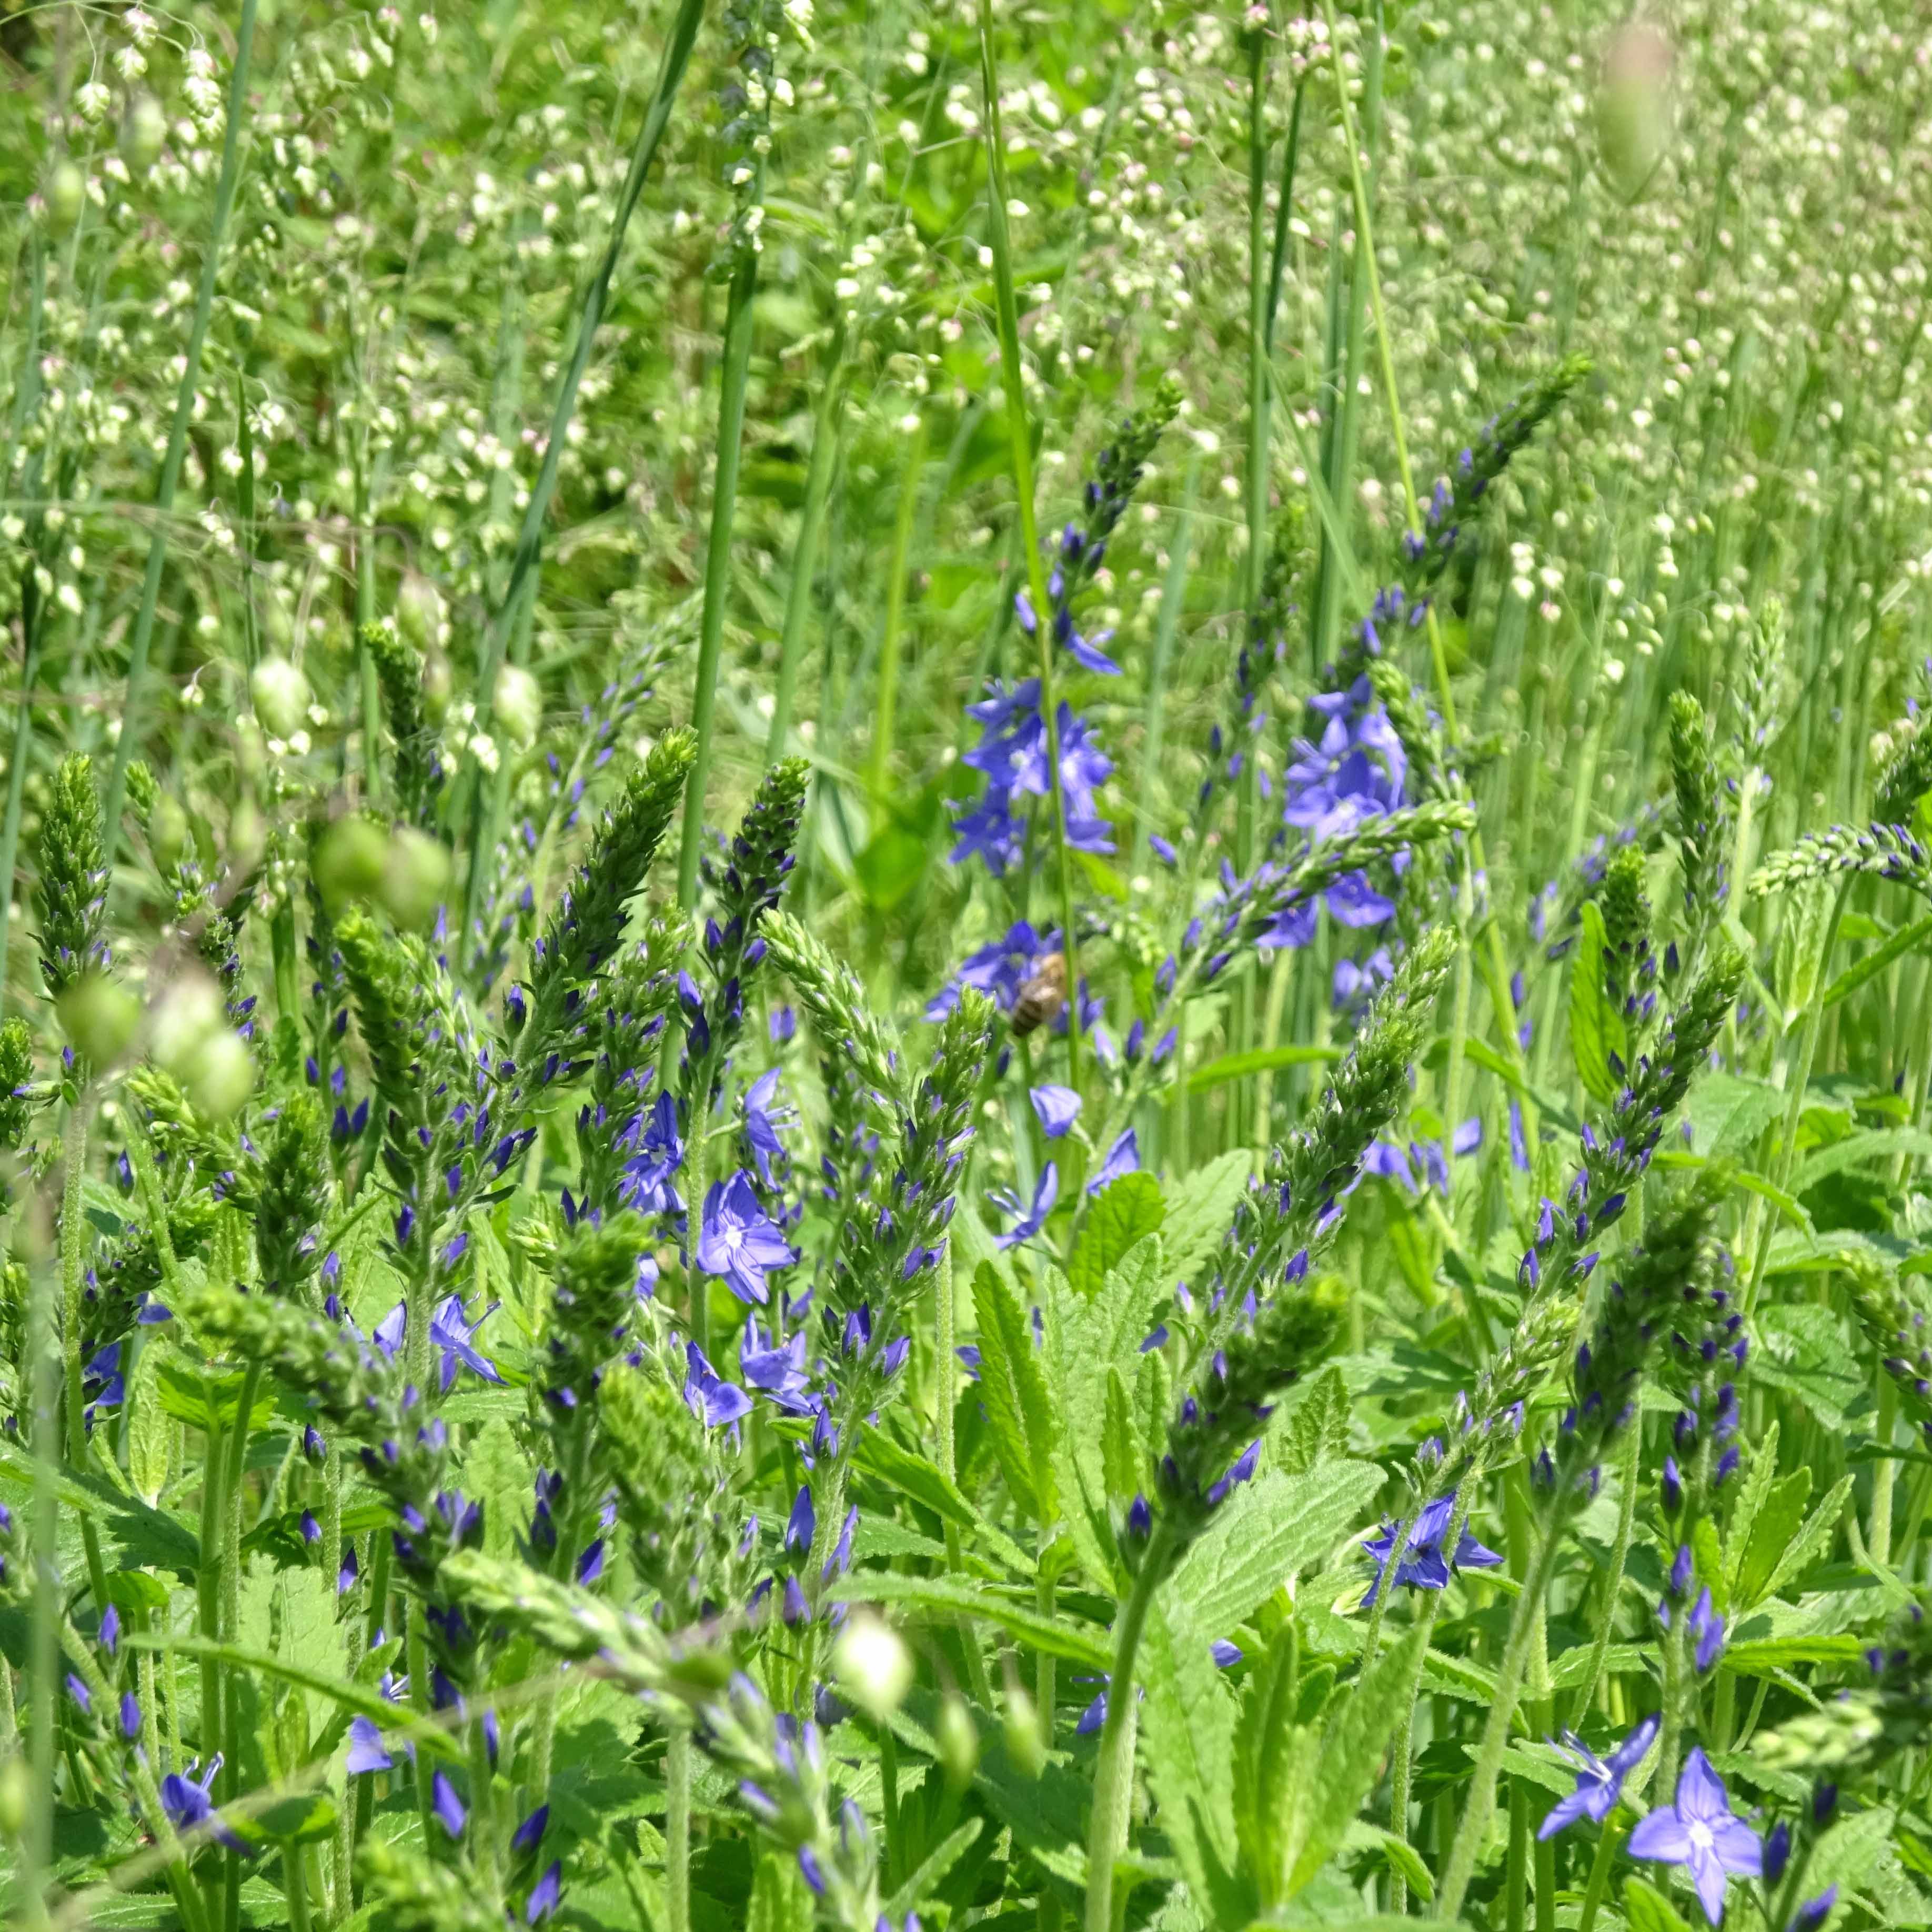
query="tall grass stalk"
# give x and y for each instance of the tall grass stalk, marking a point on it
(589, 318)
(1019, 436)
(142, 635)
(885, 721)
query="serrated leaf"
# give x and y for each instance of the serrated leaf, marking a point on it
(1354, 1741)
(932, 1870)
(1317, 1427)
(1817, 1532)
(1188, 1725)
(1775, 1528)
(781, 1899)
(1266, 1529)
(1123, 1457)
(1124, 1212)
(1012, 1387)
(1759, 1473)
(879, 1456)
(1872, 1143)
(1807, 1350)
(1200, 1209)
(1727, 1112)
(1597, 1029)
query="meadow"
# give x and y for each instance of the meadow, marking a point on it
(966, 967)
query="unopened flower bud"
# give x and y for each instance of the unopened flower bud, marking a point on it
(1026, 1743)
(188, 1012)
(99, 1017)
(167, 831)
(438, 682)
(874, 1667)
(142, 132)
(958, 1738)
(281, 695)
(220, 1075)
(349, 861)
(518, 705)
(67, 196)
(14, 1791)
(414, 878)
(419, 610)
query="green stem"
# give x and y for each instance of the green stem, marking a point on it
(1613, 1578)
(671, 72)
(43, 1366)
(1114, 1776)
(945, 1371)
(1019, 439)
(677, 1830)
(74, 1285)
(827, 433)
(1883, 1470)
(885, 717)
(16, 788)
(1173, 601)
(1600, 1876)
(717, 560)
(1473, 1830)
(141, 638)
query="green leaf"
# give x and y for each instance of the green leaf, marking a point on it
(1775, 1529)
(1124, 1212)
(1354, 1741)
(304, 1818)
(1123, 1457)
(1855, 976)
(1597, 1029)
(1317, 1427)
(1817, 1532)
(1258, 1059)
(781, 1899)
(205, 1398)
(1871, 1144)
(362, 1700)
(1085, 1337)
(1807, 1350)
(876, 1453)
(1201, 1208)
(932, 1872)
(1267, 1529)
(1078, 1643)
(1727, 1112)
(1646, 1909)
(1013, 1387)
(890, 866)
(1188, 1722)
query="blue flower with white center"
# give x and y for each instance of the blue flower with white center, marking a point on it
(1600, 1781)
(1702, 1833)
(739, 1241)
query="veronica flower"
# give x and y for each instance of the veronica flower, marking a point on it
(657, 1152)
(191, 1806)
(1700, 1831)
(447, 1807)
(450, 1332)
(739, 1241)
(1057, 1109)
(1424, 1565)
(545, 1895)
(774, 1369)
(762, 1120)
(715, 1402)
(366, 1753)
(1123, 1157)
(1600, 1782)
(1046, 1192)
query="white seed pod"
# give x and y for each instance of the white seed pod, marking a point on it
(518, 705)
(281, 694)
(414, 878)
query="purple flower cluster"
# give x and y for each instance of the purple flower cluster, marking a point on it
(1012, 754)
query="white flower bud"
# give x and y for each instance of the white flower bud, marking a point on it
(281, 695)
(874, 1667)
(958, 1738)
(518, 705)
(348, 861)
(1026, 1745)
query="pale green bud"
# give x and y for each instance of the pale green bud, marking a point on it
(958, 1738)
(439, 682)
(419, 610)
(281, 695)
(67, 196)
(220, 1076)
(99, 1017)
(187, 1012)
(349, 861)
(518, 705)
(415, 880)
(167, 831)
(1636, 116)
(1026, 1743)
(142, 132)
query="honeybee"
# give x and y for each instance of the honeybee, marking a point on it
(1039, 1000)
